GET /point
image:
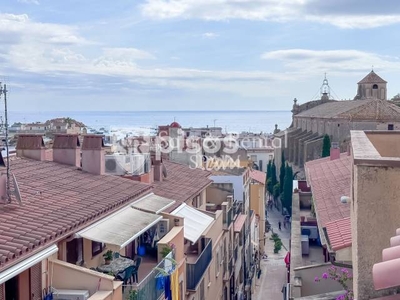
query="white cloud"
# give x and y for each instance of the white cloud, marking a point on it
(343, 14)
(29, 1)
(334, 61)
(210, 35)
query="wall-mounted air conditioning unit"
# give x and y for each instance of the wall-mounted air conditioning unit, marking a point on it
(140, 163)
(71, 295)
(115, 164)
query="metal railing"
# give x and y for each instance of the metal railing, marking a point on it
(228, 217)
(195, 271)
(146, 289)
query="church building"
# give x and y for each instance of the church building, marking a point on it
(369, 110)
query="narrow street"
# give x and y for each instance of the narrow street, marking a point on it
(273, 269)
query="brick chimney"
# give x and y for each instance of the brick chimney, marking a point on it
(93, 160)
(67, 149)
(31, 146)
(335, 151)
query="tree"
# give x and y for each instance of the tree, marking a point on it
(276, 191)
(269, 169)
(326, 146)
(288, 189)
(282, 172)
(273, 174)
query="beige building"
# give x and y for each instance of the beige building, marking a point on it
(374, 203)
(257, 204)
(369, 110)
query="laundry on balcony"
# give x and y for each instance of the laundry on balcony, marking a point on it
(121, 228)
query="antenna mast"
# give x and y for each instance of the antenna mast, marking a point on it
(3, 91)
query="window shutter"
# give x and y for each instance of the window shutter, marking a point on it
(2, 296)
(36, 281)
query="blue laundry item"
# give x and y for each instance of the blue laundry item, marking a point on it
(167, 288)
(160, 283)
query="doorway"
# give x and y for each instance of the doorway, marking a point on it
(11, 289)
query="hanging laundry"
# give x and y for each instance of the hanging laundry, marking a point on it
(175, 285)
(167, 288)
(160, 282)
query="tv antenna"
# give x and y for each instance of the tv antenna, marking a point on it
(15, 192)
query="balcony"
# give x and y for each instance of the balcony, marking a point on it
(228, 268)
(196, 266)
(228, 218)
(66, 276)
(146, 288)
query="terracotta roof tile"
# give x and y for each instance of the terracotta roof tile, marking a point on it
(339, 233)
(372, 77)
(66, 141)
(92, 142)
(57, 200)
(329, 181)
(30, 141)
(258, 176)
(182, 183)
(239, 222)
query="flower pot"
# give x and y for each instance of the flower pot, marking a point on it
(107, 261)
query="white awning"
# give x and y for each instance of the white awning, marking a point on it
(27, 263)
(153, 203)
(195, 222)
(120, 228)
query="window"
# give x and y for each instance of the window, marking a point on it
(75, 251)
(97, 248)
(390, 127)
(375, 87)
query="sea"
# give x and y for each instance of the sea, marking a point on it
(146, 122)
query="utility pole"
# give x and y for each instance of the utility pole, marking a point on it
(3, 91)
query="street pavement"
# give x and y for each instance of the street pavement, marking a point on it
(273, 269)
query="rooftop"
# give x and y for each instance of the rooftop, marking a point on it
(339, 233)
(57, 200)
(329, 181)
(228, 172)
(182, 183)
(258, 176)
(372, 77)
(372, 109)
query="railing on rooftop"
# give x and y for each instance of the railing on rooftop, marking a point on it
(195, 271)
(146, 289)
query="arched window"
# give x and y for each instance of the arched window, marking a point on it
(375, 87)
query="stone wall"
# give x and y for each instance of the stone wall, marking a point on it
(313, 149)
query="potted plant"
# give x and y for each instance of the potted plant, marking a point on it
(108, 256)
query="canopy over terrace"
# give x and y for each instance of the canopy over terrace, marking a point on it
(121, 228)
(195, 222)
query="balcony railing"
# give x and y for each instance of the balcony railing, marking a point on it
(195, 271)
(228, 217)
(146, 289)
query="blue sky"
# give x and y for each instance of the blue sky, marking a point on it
(192, 54)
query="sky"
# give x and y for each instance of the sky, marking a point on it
(192, 54)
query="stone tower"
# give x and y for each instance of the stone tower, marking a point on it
(325, 90)
(371, 87)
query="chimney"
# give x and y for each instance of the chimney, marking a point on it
(158, 167)
(3, 180)
(335, 151)
(31, 146)
(66, 149)
(93, 160)
(348, 149)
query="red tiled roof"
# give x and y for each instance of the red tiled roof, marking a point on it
(239, 222)
(92, 142)
(66, 141)
(57, 200)
(329, 181)
(258, 176)
(339, 233)
(29, 141)
(182, 183)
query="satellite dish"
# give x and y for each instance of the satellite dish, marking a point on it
(16, 191)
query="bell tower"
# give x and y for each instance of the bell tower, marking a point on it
(371, 87)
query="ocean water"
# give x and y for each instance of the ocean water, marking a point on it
(144, 122)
